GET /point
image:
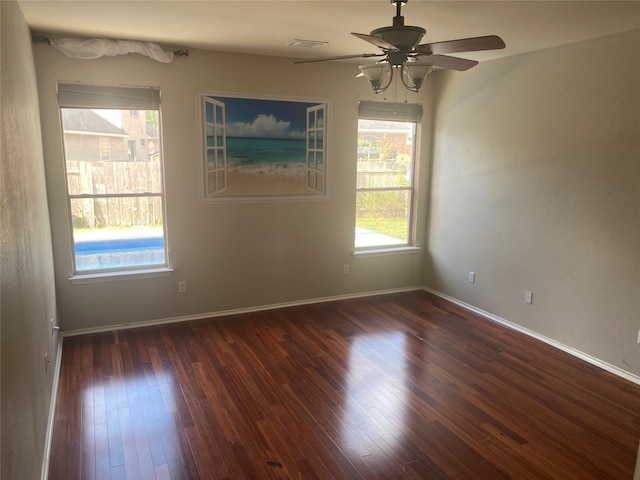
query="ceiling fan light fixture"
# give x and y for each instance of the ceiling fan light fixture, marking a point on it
(378, 75)
(414, 73)
(401, 47)
(404, 38)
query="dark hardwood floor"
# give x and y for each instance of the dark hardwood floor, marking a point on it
(404, 386)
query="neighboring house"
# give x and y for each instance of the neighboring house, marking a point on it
(142, 144)
(398, 139)
(91, 138)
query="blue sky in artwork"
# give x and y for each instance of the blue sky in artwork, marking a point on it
(259, 118)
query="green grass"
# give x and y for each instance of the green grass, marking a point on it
(395, 227)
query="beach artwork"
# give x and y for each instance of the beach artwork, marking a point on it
(262, 148)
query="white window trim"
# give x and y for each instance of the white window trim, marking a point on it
(74, 95)
(118, 275)
(383, 251)
(410, 113)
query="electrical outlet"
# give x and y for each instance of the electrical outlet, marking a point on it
(528, 297)
(472, 277)
(182, 286)
(345, 268)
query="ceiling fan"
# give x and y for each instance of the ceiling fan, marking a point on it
(400, 45)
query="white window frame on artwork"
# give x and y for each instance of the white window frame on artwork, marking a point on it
(316, 166)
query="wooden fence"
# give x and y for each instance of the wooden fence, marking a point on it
(115, 178)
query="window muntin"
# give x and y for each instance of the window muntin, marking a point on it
(116, 204)
(315, 149)
(385, 183)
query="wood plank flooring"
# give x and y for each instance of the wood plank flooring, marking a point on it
(400, 386)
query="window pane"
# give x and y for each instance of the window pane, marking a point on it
(135, 239)
(112, 159)
(221, 181)
(370, 177)
(209, 113)
(101, 152)
(384, 183)
(382, 218)
(211, 182)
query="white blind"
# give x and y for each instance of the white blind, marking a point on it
(75, 95)
(400, 112)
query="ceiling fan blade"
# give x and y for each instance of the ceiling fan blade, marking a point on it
(451, 63)
(341, 57)
(377, 41)
(474, 44)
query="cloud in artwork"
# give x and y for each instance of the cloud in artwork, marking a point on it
(264, 126)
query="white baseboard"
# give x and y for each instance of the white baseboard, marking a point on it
(565, 348)
(224, 313)
(46, 458)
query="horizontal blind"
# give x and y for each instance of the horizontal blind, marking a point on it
(75, 95)
(400, 112)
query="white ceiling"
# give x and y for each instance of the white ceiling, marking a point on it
(265, 27)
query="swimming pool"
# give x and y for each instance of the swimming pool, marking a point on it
(100, 254)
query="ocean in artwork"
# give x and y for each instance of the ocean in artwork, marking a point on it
(267, 156)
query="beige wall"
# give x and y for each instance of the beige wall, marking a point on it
(536, 186)
(26, 280)
(231, 255)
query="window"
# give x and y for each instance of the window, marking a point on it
(132, 150)
(105, 148)
(116, 204)
(385, 187)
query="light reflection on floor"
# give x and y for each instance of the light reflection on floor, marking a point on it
(122, 414)
(375, 409)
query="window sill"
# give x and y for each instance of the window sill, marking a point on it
(120, 275)
(381, 251)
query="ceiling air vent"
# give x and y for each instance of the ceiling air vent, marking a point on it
(307, 43)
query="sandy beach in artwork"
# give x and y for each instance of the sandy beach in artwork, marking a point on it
(266, 180)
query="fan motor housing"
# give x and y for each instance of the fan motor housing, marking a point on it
(404, 38)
